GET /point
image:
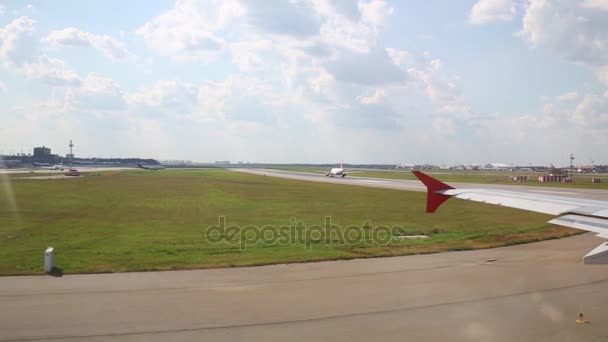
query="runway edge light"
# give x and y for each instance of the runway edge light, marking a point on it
(48, 259)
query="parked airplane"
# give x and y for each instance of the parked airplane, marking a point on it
(589, 215)
(337, 171)
(150, 167)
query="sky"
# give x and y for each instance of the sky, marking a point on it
(308, 81)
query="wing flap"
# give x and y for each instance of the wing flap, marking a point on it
(591, 224)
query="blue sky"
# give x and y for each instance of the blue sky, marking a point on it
(365, 81)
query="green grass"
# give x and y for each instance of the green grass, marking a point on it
(134, 220)
(480, 176)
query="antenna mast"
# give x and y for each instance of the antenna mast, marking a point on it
(71, 154)
(571, 166)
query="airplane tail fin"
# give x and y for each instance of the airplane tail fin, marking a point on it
(434, 188)
(342, 165)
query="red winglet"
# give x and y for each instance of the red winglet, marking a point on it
(433, 198)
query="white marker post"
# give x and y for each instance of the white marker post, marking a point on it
(48, 259)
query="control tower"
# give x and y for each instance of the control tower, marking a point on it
(70, 156)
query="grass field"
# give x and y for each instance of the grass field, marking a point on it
(460, 176)
(139, 220)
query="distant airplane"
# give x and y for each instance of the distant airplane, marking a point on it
(57, 167)
(584, 214)
(48, 166)
(337, 171)
(150, 167)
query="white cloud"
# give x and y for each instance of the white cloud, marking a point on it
(571, 125)
(340, 32)
(592, 111)
(168, 96)
(445, 125)
(358, 33)
(19, 52)
(239, 99)
(278, 17)
(234, 99)
(571, 96)
(601, 72)
(375, 12)
(205, 30)
(439, 87)
(2, 87)
(573, 32)
(378, 96)
(305, 70)
(576, 32)
(400, 57)
(374, 67)
(489, 11)
(96, 94)
(51, 71)
(596, 4)
(254, 55)
(70, 36)
(189, 29)
(318, 55)
(17, 44)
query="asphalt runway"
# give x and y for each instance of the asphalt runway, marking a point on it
(415, 185)
(530, 292)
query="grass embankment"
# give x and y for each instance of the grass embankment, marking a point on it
(137, 220)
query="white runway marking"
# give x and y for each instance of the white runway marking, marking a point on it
(371, 181)
(556, 192)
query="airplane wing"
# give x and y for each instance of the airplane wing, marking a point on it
(589, 215)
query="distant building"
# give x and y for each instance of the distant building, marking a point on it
(42, 152)
(222, 162)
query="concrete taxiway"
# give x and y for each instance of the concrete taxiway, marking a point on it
(415, 185)
(530, 292)
(47, 177)
(79, 168)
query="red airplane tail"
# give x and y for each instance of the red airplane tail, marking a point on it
(434, 197)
